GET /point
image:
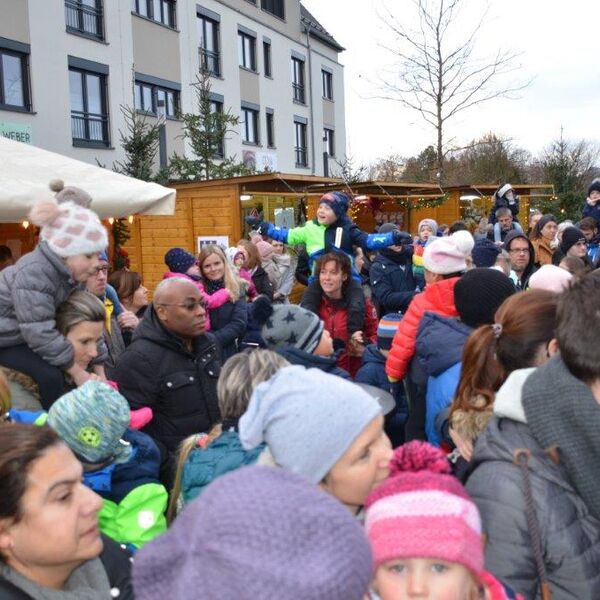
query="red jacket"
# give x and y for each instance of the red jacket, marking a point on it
(438, 298)
(335, 318)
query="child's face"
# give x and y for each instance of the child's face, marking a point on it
(325, 347)
(82, 266)
(425, 233)
(325, 215)
(595, 195)
(239, 261)
(425, 578)
(193, 270)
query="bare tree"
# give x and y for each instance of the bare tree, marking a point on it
(438, 72)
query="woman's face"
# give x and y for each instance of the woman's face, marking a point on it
(533, 221)
(59, 527)
(363, 466)
(278, 247)
(139, 298)
(82, 266)
(425, 578)
(332, 279)
(85, 337)
(213, 267)
(549, 230)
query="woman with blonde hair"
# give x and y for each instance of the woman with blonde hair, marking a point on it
(229, 321)
(204, 457)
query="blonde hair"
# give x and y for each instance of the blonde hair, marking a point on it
(239, 376)
(232, 281)
(5, 397)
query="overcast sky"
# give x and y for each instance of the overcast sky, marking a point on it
(560, 42)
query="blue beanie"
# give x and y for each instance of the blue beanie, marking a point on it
(308, 418)
(179, 260)
(484, 253)
(337, 201)
(103, 256)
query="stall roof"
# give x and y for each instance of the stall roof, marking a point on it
(25, 172)
(488, 189)
(388, 188)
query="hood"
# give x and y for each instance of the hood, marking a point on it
(372, 354)
(440, 296)
(520, 234)
(509, 399)
(295, 356)
(440, 342)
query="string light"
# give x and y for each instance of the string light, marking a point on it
(111, 220)
(25, 224)
(130, 219)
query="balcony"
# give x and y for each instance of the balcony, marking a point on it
(209, 61)
(89, 128)
(84, 19)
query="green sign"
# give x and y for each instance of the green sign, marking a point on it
(16, 132)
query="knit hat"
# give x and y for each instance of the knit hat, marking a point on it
(179, 260)
(594, 187)
(422, 511)
(91, 420)
(103, 256)
(232, 253)
(292, 325)
(386, 330)
(449, 254)
(484, 253)
(545, 220)
(505, 188)
(479, 293)
(68, 226)
(308, 419)
(431, 223)
(337, 201)
(258, 532)
(264, 248)
(387, 227)
(551, 278)
(255, 236)
(570, 236)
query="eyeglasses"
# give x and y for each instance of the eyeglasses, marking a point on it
(519, 251)
(190, 305)
(99, 270)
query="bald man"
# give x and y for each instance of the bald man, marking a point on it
(172, 367)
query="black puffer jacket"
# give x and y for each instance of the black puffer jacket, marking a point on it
(157, 370)
(570, 535)
(229, 323)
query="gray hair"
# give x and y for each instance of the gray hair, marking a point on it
(80, 306)
(503, 211)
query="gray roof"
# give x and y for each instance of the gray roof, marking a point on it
(317, 30)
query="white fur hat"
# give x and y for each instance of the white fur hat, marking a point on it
(447, 255)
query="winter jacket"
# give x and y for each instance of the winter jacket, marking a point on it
(418, 267)
(392, 282)
(521, 283)
(328, 364)
(543, 251)
(569, 534)
(262, 282)
(113, 559)
(438, 298)
(229, 324)
(372, 370)
(594, 251)
(180, 386)
(30, 292)
(335, 316)
(134, 501)
(440, 343)
(591, 210)
(284, 282)
(502, 202)
(497, 234)
(222, 455)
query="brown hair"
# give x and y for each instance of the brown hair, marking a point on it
(253, 255)
(536, 232)
(5, 396)
(20, 447)
(342, 263)
(125, 283)
(588, 224)
(232, 282)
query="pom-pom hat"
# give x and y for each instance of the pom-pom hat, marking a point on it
(448, 255)
(422, 511)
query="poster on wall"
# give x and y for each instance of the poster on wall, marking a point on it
(217, 240)
(284, 217)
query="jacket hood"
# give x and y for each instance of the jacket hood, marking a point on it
(295, 356)
(440, 342)
(520, 234)
(509, 399)
(440, 295)
(373, 354)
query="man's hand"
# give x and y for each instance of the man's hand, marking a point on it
(128, 320)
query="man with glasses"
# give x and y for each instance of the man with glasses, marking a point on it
(171, 367)
(522, 258)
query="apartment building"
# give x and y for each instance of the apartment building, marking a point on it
(68, 66)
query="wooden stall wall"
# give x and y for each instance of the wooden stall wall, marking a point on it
(445, 213)
(17, 238)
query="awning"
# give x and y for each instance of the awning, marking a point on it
(25, 172)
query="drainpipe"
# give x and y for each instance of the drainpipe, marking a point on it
(311, 110)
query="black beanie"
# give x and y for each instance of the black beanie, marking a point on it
(479, 293)
(595, 187)
(484, 253)
(570, 236)
(544, 221)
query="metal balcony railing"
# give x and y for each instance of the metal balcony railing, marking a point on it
(84, 19)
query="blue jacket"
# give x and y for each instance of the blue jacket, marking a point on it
(440, 343)
(222, 455)
(591, 211)
(594, 250)
(393, 285)
(328, 364)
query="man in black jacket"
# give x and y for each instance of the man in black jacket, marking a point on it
(172, 366)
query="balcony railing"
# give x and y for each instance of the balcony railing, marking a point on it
(301, 156)
(298, 92)
(209, 61)
(89, 127)
(84, 19)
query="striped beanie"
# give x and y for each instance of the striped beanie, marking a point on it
(422, 511)
(386, 330)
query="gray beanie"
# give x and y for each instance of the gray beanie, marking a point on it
(308, 419)
(292, 325)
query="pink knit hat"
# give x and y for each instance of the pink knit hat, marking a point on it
(264, 249)
(422, 511)
(551, 278)
(447, 255)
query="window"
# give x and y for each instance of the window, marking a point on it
(270, 118)
(327, 79)
(247, 51)
(300, 140)
(298, 79)
(84, 16)
(162, 11)
(267, 58)
(89, 112)
(216, 107)
(275, 7)
(14, 80)
(250, 125)
(208, 34)
(149, 98)
(329, 141)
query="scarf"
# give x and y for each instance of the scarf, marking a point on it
(213, 286)
(561, 411)
(400, 258)
(110, 307)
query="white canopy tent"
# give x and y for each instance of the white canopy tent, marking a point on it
(26, 171)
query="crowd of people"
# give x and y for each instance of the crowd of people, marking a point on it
(422, 424)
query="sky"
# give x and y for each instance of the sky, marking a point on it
(560, 51)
